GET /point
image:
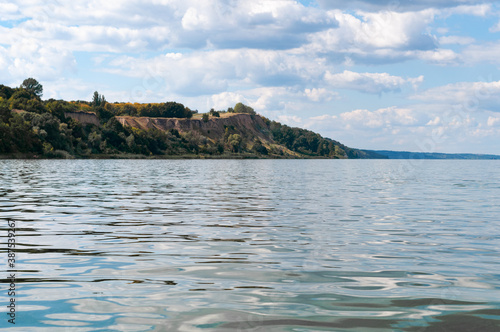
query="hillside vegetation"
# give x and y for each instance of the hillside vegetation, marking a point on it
(34, 128)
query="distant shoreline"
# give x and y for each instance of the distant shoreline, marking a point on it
(435, 155)
(392, 155)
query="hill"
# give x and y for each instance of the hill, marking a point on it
(428, 155)
(33, 128)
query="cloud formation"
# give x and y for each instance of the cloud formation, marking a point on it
(398, 6)
(468, 96)
(370, 82)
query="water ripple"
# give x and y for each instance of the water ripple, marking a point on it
(254, 245)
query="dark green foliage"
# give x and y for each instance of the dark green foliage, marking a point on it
(165, 110)
(128, 109)
(23, 99)
(98, 100)
(5, 114)
(6, 92)
(21, 94)
(235, 142)
(49, 129)
(32, 85)
(204, 117)
(259, 148)
(103, 114)
(175, 132)
(19, 99)
(58, 107)
(241, 108)
(17, 136)
(34, 105)
(306, 142)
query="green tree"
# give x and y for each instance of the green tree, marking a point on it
(33, 86)
(205, 117)
(234, 142)
(98, 100)
(6, 92)
(19, 99)
(5, 113)
(58, 108)
(259, 148)
(241, 108)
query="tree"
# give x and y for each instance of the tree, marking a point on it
(205, 117)
(234, 142)
(241, 108)
(6, 92)
(214, 113)
(98, 100)
(259, 148)
(33, 86)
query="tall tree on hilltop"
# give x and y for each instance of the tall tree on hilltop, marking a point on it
(33, 86)
(98, 100)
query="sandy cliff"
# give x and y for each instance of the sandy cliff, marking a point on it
(83, 117)
(248, 125)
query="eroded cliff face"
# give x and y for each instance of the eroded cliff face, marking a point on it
(248, 125)
(83, 117)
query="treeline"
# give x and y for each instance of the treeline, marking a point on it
(156, 110)
(31, 127)
(35, 128)
(39, 128)
(305, 141)
(45, 135)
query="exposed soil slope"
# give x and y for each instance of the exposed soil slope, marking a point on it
(248, 125)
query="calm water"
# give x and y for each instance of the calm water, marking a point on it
(257, 245)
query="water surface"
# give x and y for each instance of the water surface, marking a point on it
(253, 245)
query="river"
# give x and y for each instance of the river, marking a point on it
(252, 245)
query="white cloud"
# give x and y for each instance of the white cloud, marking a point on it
(212, 72)
(379, 118)
(380, 38)
(272, 42)
(482, 53)
(194, 20)
(495, 28)
(291, 120)
(370, 82)
(411, 129)
(436, 121)
(467, 96)
(10, 11)
(319, 94)
(69, 89)
(30, 58)
(480, 10)
(439, 56)
(377, 5)
(493, 121)
(377, 31)
(458, 40)
(135, 26)
(224, 100)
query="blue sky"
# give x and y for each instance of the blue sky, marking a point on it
(399, 75)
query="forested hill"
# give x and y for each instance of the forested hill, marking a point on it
(34, 128)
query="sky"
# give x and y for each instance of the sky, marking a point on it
(418, 76)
